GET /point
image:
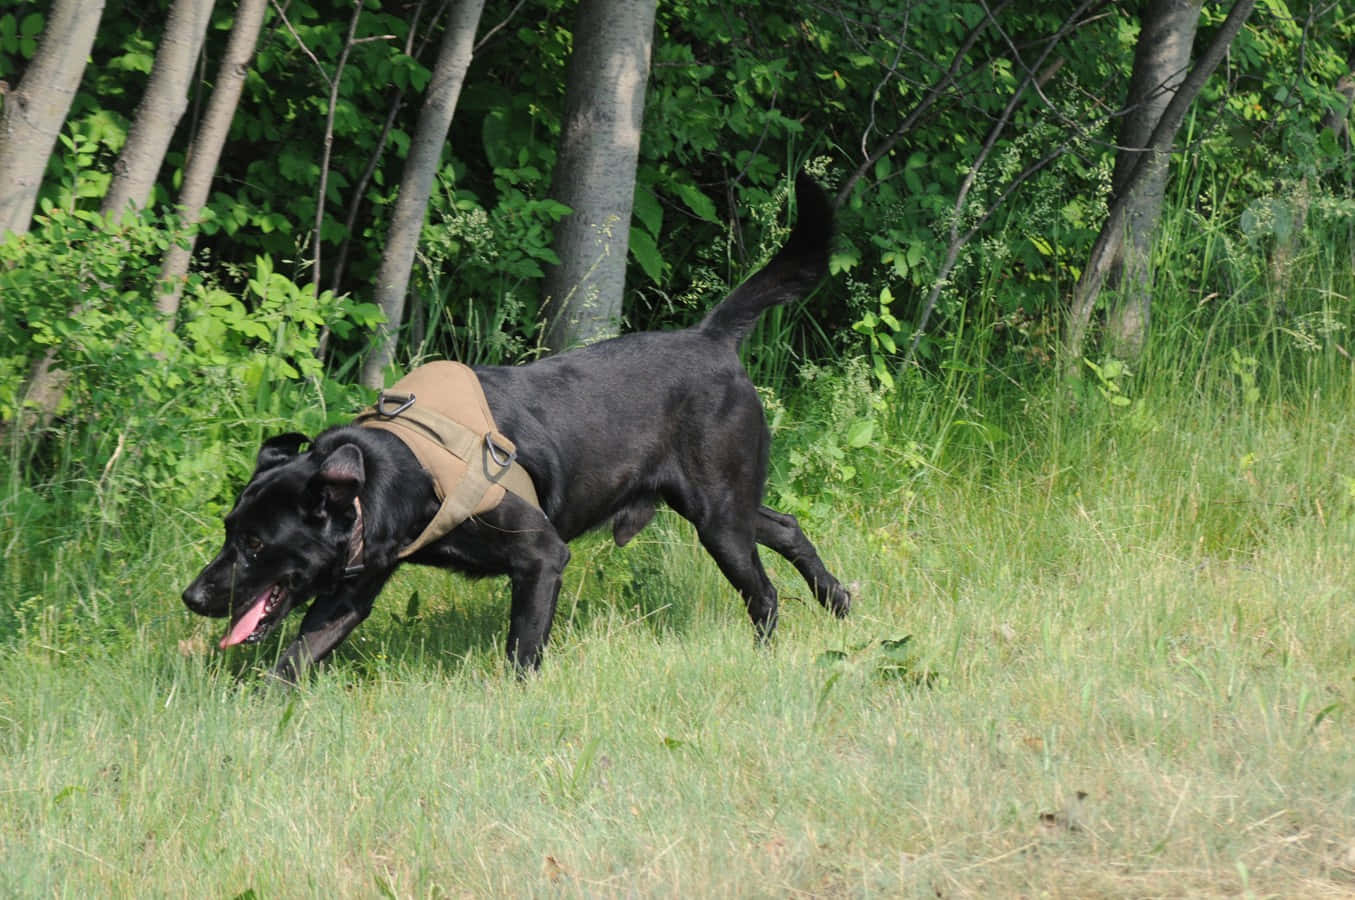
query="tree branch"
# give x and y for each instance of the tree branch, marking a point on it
(933, 94)
(957, 242)
(328, 145)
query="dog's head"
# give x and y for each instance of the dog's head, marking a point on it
(287, 538)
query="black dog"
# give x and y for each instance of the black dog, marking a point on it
(606, 432)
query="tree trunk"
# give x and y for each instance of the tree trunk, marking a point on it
(595, 171)
(425, 150)
(1300, 196)
(161, 107)
(1161, 60)
(32, 118)
(35, 111)
(1338, 117)
(205, 153)
(1157, 147)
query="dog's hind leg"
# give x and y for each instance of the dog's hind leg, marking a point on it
(735, 553)
(782, 533)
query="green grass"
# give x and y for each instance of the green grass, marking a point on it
(1130, 671)
(1103, 645)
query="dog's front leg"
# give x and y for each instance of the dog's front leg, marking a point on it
(536, 575)
(329, 620)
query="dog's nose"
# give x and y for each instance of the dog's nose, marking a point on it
(193, 599)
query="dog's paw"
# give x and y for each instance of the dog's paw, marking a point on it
(840, 599)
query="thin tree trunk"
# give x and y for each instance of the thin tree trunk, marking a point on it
(327, 143)
(35, 111)
(1338, 117)
(1103, 254)
(161, 107)
(205, 153)
(1161, 60)
(595, 171)
(416, 184)
(397, 100)
(1300, 198)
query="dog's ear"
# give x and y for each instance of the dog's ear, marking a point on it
(279, 449)
(340, 479)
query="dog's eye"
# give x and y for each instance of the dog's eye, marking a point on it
(253, 544)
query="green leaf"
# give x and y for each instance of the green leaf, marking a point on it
(649, 211)
(646, 253)
(860, 433)
(866, 324)
(843, 259)
(9, 36)
(31, 26)
(898, 649)
(494, 135)
(696, 201)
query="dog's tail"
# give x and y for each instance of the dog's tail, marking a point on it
(796, 268)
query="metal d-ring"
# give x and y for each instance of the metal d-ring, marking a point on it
(502, 458)
(391, 414)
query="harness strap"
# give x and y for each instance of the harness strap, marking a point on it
(490, 461)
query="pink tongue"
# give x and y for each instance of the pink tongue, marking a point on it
(248, 622)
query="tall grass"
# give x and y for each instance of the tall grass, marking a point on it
(1098, 648)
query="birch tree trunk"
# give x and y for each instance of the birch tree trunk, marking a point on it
(161, 107)
(595, 171)
(205, 153)
(35, 111)
(416, 183)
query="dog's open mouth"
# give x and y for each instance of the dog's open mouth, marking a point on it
(254, 623)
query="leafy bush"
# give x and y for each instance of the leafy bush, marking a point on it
(835, 443)
(77, 291)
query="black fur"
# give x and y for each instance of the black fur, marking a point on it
(606, 432)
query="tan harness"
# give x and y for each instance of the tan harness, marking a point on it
(440, 412)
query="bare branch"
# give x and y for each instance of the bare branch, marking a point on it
(328, 144)
(933, 94)
(301, 45)
(957, 241)
(889, 74)
(490, 33)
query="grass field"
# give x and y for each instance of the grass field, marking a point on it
(1110, 654)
